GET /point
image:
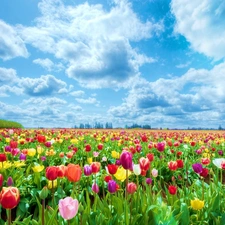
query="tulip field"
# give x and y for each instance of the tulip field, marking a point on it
(111, 177)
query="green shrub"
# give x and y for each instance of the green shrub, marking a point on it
(9, 124)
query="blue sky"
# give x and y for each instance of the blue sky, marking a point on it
(157, 62)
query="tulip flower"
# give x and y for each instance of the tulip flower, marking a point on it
(154, 172)
(121, 174)
(87, 148)
(150, 156)
(218, 162)
(51, 172)
(31, 152)
(180, 163)
(10, 181)
(3, 157)
(95, 188)
(112, 169)
(172, 190)
(87, 170)
(13, 144)
(107, 178)
(112, 186)
(172, 165)
(137, 169)
(1, 180)
(197, 204)
(197, 167)
(38, 168)
(148, 181)
(144, 163)
(204, 172)
(126, 160)
(115, 154)
(160, 146)
(68, 208)
(52, 184)
(73, 172)
(62, 171)
(95, 166)
(9, 197)
(131, 187)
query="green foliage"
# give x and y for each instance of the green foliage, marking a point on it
(10, 124)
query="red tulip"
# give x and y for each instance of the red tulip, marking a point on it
(144, 163)
(9, 197)
(100, 146)
(131, 187)
(172, 165)
(51, 172)
(150, 156)
(3, 157)
(73, 172)
(172, 190)
(180, 163)
(62, 171)
(41, 139)
(204, 172)
(95, 166)
(13, 144)
(112, 168)
(87, 148)
(107, 178)
(1, 180)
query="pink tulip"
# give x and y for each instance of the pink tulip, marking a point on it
(68, 207)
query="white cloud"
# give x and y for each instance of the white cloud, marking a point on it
(44, 101)
(196, 94)
(77, 93)
(87, 101)
(11, 44)
(202, 24)
(97, 50)
(6, 89)
(8, 75)
(43, 86)
(48, 64)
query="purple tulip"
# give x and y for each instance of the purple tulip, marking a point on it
(161, 146)
(197, 167)
(43, 158)
(118, 163)
(23, 157)
(126, 160)
(112, 186)
(95, 188)
(87, 170)
(220, 152)
(8, 148)
(149, 181)
(10, 182)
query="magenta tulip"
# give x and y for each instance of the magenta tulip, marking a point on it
(126, 160)
(68, 207)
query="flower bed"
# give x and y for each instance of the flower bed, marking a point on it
(68, 176)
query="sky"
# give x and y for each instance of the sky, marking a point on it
(155, 62)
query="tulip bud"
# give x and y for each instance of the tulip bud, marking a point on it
(10, 181)
(131, 187)
(126, 160)
(95, 188)
(44, 193)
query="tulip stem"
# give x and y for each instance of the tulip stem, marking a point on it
(43, 212)
(9, 217)
(52, 193)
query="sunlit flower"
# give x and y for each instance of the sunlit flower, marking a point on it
(197, 204)
(121, 174)
(115, 154)
(38, 168)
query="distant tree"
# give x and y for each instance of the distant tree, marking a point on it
(220, 128)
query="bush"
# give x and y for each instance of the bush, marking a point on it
(10, 124)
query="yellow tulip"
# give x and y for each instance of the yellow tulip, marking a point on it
(74, 141)
(89, 160)
(121, 174)
(50, 184)
(38, 168)
(115, 154)
(7, 140)
(39, 149)
(197, 204)
(31, 152)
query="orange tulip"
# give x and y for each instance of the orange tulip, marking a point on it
(73, 172)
